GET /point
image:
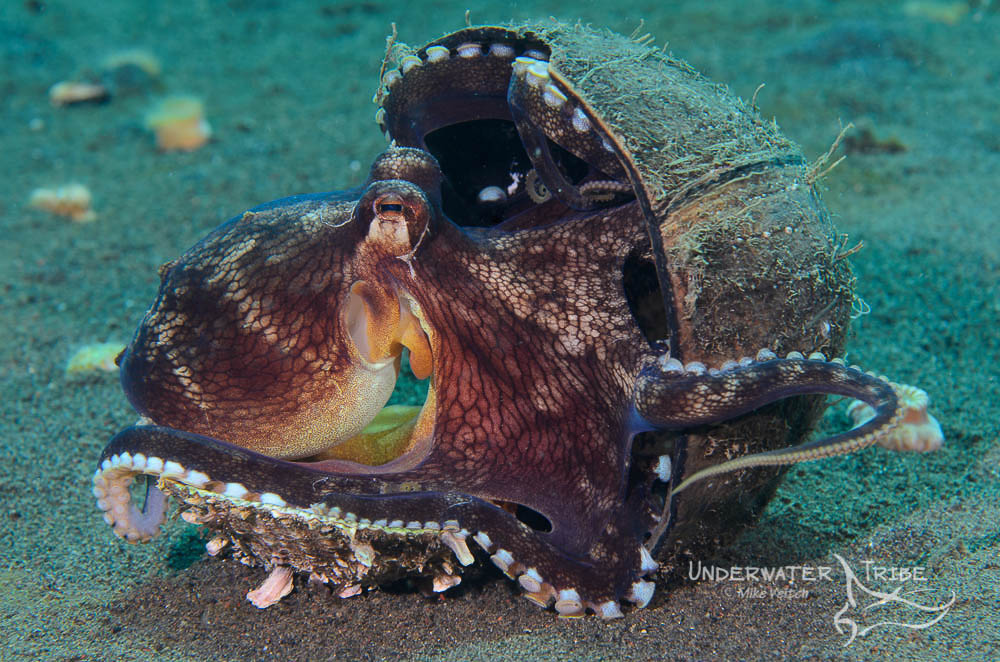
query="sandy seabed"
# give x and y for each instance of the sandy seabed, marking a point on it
(287, 89)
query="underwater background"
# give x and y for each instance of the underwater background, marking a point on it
(99, 186)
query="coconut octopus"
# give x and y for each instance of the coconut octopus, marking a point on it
(591, 258)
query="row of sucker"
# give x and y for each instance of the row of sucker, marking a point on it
(117, 472)
(546, 102)
(567, 601)
(892, 411)
(432, 80)
(482, 76)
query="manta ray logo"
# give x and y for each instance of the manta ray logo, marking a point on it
(894, 603)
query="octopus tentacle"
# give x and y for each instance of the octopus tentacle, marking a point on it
(542, 112)
(350, 531)
(475, 66)
(545, 165)
(111, 488)
(670, 395)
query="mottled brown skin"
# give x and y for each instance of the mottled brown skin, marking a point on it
(534, 355)
(279, 335)
(242, 336)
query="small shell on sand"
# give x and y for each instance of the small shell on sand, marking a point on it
(179, 124)
(71, 201)
(139, 58)
(68, 92)
(277, 585)
(94, 358)
(918, 431)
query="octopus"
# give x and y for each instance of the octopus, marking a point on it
(613, 282)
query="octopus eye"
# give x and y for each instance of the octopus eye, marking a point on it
(398, 217)
(389, 207)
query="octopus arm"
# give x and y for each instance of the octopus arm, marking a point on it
(669, 395)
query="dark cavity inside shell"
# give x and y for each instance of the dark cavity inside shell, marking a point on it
(469, 99)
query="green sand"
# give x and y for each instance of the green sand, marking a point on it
(288, 92)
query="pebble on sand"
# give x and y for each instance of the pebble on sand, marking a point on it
(97, 357)
(71, 201)
(179, 124)
(67, 93)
